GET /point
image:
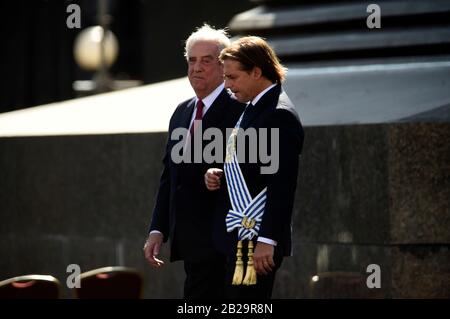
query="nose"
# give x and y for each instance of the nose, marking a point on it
(227, 84)
(197, 67)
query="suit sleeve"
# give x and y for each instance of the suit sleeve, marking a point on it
(160, 219)
(161, 210)
(281, 184)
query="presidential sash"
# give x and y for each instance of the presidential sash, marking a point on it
(245, 213)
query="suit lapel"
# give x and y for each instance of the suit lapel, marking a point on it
(185, 117)
(211, 118)
(266, 101)
(216, 111)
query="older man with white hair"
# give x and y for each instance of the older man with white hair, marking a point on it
(184, 207)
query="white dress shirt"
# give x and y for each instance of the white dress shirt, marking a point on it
(207, 102)
(254, 101)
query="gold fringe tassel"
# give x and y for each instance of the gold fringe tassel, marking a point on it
(250, 273)
(239, 268)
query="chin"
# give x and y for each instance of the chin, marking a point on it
(198, 87)
(240, 99)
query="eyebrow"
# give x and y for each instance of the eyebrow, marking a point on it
(202, 57)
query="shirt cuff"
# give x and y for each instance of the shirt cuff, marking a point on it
(267, 241)
(155, 232)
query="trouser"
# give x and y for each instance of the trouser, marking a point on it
(205, 279)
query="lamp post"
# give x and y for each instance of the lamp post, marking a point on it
(96, 48)
(102, 79)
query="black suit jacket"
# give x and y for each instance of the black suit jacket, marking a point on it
(184, 208)
(273, 110)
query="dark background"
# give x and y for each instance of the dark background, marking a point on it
(36, 56)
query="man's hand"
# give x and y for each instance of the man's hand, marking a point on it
(263, 258)
(151, 249)
(212, 178)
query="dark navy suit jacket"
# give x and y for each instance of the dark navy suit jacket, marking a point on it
(184, 208)
(273, 110)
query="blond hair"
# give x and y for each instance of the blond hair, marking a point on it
(255, 52)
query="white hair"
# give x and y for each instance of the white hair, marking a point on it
(207, 34)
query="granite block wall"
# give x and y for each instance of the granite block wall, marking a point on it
(368, 194)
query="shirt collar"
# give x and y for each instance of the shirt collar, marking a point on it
(260, 95)
(209, 100)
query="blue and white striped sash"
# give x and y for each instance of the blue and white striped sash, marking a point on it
(246, 213)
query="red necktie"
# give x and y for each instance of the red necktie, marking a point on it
(198, 116)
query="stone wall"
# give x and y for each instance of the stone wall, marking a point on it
(368, 194)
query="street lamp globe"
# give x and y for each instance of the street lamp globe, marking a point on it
(87, 48)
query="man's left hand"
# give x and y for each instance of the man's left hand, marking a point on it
(263, 258)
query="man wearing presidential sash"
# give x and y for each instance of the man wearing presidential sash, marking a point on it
(255, 206)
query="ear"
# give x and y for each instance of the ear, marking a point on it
(256, 72)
